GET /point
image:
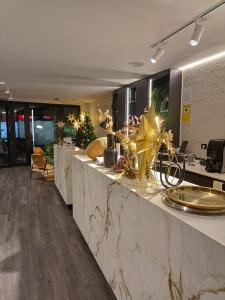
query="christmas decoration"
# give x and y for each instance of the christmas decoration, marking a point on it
(96, 148)
(141, 142)
(76, 124)
(82, 117)
(146, 149)
(105, 120)
(71, 117)
(85, 132)
(60, 124)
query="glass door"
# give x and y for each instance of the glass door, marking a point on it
(20, 138)
(42, 126)
(4, 147)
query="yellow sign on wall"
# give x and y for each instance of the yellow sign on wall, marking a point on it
(186, 113)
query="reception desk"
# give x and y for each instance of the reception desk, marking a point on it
(145, 249)
(63, 170)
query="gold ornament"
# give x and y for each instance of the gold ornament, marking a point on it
(61, 124)
(105, 120)
(141, 143)
(102, 116)
(96, 148)
(71, 117)
(82, 117)
(146, 148)
(76, 124)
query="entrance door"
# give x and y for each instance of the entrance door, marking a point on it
(20, 137)
(4, 141)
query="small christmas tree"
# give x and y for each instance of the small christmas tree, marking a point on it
(85, 132)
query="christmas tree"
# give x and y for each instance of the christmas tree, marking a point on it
(85, 132)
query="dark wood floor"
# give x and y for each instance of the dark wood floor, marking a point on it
(42, 253)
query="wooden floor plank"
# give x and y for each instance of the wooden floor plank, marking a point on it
(43, 255)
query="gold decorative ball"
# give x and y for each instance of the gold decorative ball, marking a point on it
(96, 148)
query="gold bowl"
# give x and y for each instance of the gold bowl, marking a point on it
(197, 197)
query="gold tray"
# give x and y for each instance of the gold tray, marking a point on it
(197, 197)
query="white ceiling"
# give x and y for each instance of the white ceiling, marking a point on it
(75, 48)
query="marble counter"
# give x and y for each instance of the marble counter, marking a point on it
(145, 249)
(63, 170)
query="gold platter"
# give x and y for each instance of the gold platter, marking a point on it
(197, 197)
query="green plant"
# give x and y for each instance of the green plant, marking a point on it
(158, 94)
(49, 153)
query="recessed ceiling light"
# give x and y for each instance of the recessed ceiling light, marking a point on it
(136, 64)
(2, 81)
(7, 91)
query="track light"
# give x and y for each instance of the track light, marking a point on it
(196, 36)
(158, 54)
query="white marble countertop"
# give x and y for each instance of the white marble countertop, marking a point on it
(63, 172)
(211, 226)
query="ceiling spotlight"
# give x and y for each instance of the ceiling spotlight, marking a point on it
(196, 36)
(2, 81)
(7, 91)
(10, 97)
(158, 54)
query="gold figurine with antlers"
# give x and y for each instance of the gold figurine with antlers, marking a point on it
(105, 120)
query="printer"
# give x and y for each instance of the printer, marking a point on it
(215, 162)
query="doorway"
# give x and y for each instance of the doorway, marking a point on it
(24, 125)
(20, 140)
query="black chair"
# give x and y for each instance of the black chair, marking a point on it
(183, 147)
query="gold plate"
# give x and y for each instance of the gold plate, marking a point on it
(197, 197)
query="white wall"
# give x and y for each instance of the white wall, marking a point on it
(207, 83)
